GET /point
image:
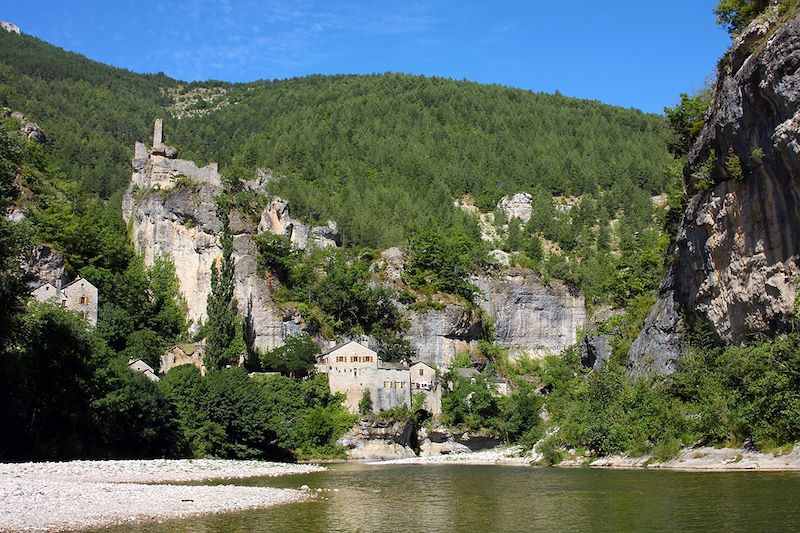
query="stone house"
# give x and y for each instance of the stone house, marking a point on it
(48, 293)
(424, 379)
(187, 353)
(79, 296)
(137, 365)
(353, 368)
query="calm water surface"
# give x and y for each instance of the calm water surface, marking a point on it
(505, 498)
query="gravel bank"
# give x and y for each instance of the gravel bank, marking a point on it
(153, 471)
(83, 494)
(495, 456)
(705, 459)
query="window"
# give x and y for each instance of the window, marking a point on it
(385, 384)
(421, 372)
(341, 359)
(367, 358)
(83, 300)
(354, 359)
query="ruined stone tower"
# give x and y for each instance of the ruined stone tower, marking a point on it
(158, 133)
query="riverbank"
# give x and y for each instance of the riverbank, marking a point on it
(704, 459)
(85, 494)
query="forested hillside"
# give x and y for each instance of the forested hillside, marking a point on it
(384, 155)
(92, 113)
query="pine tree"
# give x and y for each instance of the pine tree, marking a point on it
(224, 336)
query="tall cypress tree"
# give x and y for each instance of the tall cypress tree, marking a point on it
(224, 339)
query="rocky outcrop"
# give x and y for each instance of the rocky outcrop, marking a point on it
(276, 219)
(30, 130)
(517, 206)
(46, 265)
(265, 325)
(438, 334)
(171, 209)
(736, 253)
(595, 351)
(530, 318)
(9, 27)
(181, 224)
(376, 440)
(444, 441)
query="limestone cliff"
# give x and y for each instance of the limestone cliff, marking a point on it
(735, 256)
(170, 207)
(437, 335)
(529, 317)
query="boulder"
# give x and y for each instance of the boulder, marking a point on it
(377, 440)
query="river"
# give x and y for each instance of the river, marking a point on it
(510, 498)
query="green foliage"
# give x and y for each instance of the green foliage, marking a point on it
(307, 418)
(275, 253)
(147, 345)
(65, 396)
(471, 404)
(686, 120)
(296, 357)
(733, 165)
(92, 113)
(521, 413)
(230, 415)
(444, 262)
(735, 15)
(13, 240)
(365, 403)
(341, 300)
(133, 418)
(223, 329)
(381, 154)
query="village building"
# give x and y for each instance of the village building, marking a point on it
(424, 379)
(48, 293)
(187, 353)
(137, 365)
(79, 296)
(353, 369)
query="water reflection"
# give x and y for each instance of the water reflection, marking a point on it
(502, 498)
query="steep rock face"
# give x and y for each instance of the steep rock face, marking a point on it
(183, 225)
(595, 351)
(46, 265)
(529, 317)
(264, 323)
(437, 335)
(736, 252)
(171, 210)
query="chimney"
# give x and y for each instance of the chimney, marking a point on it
(158, 136)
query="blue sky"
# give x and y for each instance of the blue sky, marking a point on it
(633, 53)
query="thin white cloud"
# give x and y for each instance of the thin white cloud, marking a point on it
(207, 38)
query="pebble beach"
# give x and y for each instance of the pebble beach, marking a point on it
(85, 494)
